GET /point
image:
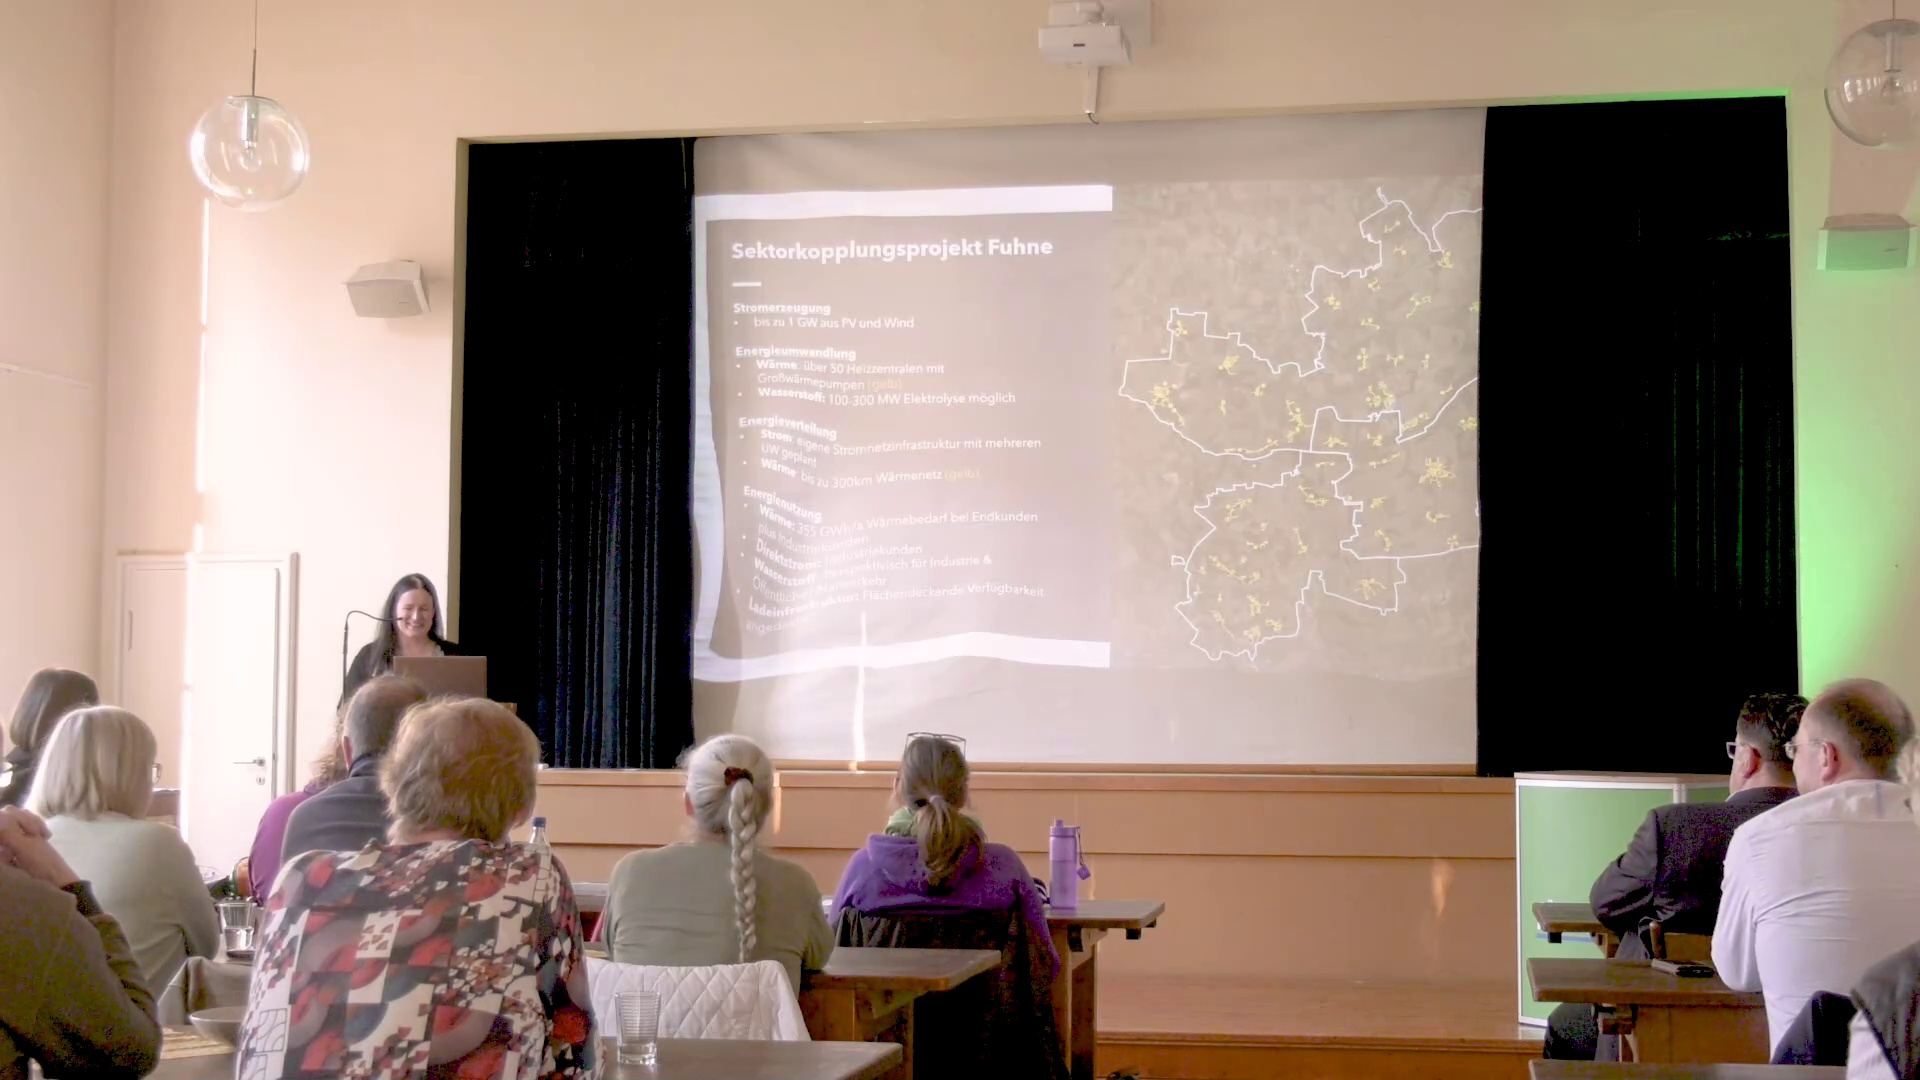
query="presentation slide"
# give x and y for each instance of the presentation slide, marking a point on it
(1154, 444)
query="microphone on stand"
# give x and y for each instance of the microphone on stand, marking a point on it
(346, 625)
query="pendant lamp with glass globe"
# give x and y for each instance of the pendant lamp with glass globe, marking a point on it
(1873, 84)
(248, 151)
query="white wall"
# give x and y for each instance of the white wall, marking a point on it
(331, 435)
(55, 95)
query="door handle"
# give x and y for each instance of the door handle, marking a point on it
(258, 762)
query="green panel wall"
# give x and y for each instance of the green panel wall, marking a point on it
(1567, 835)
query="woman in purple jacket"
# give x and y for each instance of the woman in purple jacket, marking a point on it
(934, 857)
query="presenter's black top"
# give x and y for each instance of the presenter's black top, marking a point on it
(1672, 871)
(366, 664)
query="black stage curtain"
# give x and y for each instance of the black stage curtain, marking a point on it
(575, 548)
(1637, 578)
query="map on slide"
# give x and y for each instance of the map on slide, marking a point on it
(1364, 428)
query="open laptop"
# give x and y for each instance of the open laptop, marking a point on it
(454, 676)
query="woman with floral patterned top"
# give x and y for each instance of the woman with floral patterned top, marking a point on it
(448, 951)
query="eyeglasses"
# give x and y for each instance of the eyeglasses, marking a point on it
(1733, 748)
(954, 739)
(1793, 749)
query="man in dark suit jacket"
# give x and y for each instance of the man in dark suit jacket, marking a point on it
(1671, 871)
(352, 812)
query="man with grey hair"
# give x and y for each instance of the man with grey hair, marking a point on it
(1821, 887)
(352, 812)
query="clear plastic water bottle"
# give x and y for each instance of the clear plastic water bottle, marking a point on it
(538, 841)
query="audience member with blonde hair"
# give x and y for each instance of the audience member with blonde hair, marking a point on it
(94, 782)
(51, 694)
(718, 898)
(935, 857)
(473, 940)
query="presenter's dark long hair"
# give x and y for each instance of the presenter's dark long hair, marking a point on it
(385, 639)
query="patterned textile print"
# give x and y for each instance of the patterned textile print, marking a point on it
(455, 959)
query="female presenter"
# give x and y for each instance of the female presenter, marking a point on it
(410, 625)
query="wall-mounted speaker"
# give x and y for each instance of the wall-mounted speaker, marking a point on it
(1866, 242)
(388, 290)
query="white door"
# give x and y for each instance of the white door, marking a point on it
(239, 699)
(152, 669)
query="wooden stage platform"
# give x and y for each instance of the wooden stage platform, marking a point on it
(1168, 1028)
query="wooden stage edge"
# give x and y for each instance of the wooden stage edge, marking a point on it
(1208, 1029)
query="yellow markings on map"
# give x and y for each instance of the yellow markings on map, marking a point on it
(1388, 460)
(1163, 399)
(1227, 365)
(1426, 361)
(1223, 406)
(1435, 517)
(1255, 451)
(1437, 473)
(1258, 545)
(1453, 541)
(1469, 423)
(1260, 391)
(1333, 302)
(1378, 502)
(1312, 499)
(1369, 586)
(1334, 441)
(1299, 420)
(1222, 566)
(1362, 356)
(1255, 606)
(1369, 324)
(1235, 507)
(1397, 359)
(1386, 542)
(1418, 303)
(1446, 260)
(1418, 422)
(1180, 328)
(1474, 307)
(1298, 543)
(1380, 396)
(1378, 438)
(1373, 284)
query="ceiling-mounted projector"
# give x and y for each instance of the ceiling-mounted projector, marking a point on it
(1096, 33)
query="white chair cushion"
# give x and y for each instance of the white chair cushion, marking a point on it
(725, 1001)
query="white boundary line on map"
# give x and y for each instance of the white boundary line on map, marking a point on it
(1233, 338)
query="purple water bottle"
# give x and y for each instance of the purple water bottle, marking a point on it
(1066, 870)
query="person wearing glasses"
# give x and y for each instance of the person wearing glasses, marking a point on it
(1818, 890)
(1671, 870)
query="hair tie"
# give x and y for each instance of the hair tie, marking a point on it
(919, 803)
(733, 774)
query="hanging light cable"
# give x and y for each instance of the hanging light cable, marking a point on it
(248, 151)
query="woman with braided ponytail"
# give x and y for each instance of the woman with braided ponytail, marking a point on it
(717, 898)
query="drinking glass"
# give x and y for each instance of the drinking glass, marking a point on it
(636, 1016)
(236, 924)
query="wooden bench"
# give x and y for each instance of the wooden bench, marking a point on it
(1558, 920)
(1202, 1028)
(1671, 1019)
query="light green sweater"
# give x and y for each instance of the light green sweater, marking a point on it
(144, 876)
(673, 907)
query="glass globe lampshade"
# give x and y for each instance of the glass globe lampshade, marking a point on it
(1873, 85)
(249, 152)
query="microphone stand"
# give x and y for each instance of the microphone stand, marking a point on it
(346, 625)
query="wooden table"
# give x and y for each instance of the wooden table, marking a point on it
(1593, 1070)
(680, 1059)
(1076, 991)
(1557, 920)
(1672, 1019)
(867, 994)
